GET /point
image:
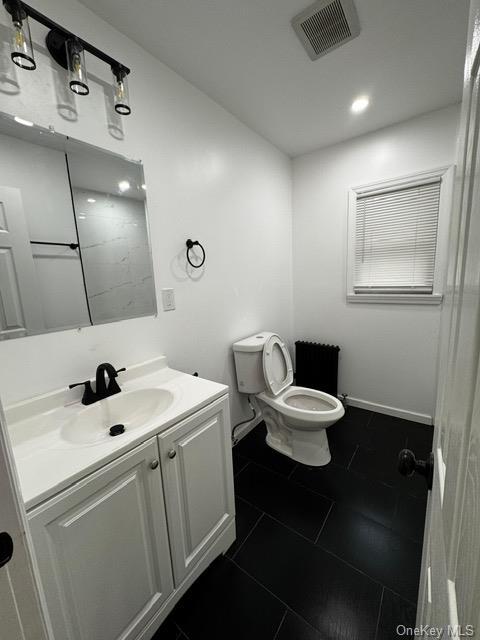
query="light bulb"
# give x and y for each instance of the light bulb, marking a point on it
(77, 71)
(121, 99)
(21, 39)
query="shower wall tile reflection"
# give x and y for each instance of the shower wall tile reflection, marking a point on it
(116, 255)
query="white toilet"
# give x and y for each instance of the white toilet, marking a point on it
(296, 417)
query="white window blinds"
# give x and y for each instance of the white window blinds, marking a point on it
(396, 236)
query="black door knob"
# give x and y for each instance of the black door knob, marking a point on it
(408, 465)
(6, 548)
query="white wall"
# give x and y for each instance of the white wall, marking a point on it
(208, 177)
(388, 351)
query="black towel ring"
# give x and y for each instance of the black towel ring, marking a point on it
(190, 244)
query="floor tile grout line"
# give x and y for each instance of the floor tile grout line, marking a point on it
(248, 534)
(291, 472)
(277, 473)
(274, 595)
(257, 581)
(397, 492)
(247, 464)
(346, 504)
(399, 595)
(324, 522)
(280, 625)
(351, 566)
(296, 484)
(353, 456)
(395, 511)
(242, 469)
(379, 613)
(180, 631)
(354, 473)
(366, 575)
(265, 513)
(370, 419)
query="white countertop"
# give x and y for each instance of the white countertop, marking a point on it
(46, 463)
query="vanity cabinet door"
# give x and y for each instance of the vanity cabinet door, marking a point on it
(197, 472)
(102, 549)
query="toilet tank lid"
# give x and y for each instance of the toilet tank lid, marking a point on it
(253, 343)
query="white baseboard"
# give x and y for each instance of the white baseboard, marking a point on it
(422, 418)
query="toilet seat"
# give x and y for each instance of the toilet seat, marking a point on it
(277, 365)
(308, 405)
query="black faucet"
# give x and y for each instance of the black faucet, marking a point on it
(89, 395)
(102, 390)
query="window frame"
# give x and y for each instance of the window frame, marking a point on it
(446, 176)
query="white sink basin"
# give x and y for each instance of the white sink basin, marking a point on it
(133, 409)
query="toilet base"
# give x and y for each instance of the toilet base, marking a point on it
(310, 447)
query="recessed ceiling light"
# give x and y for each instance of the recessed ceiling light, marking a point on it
(124, 185)
(27, 123)
(81, 216)
(144, 187)
(91, 200)
(360, 104)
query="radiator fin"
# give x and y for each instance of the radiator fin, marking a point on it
(317, 366)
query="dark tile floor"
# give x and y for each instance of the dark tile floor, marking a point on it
(327, 553)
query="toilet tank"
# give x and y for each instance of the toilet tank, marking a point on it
(248, 354)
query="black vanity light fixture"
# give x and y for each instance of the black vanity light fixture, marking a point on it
(67, 49)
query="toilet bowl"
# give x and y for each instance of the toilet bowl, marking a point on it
(296, 417)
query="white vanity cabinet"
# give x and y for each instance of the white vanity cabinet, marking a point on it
(109, 546)
(103, 552)
(198, 483)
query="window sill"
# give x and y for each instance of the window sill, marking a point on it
(395, 298)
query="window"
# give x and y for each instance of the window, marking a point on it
(396, 237)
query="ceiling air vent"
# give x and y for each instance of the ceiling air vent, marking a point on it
(326, 25)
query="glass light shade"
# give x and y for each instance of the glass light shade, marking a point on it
(120, 93)
(77, 71)
(21, 44)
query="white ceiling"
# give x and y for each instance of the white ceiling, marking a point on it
(245, 55)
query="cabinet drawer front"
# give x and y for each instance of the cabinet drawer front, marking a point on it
(198, 479)
(103, 550)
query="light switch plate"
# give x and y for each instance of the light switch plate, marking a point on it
(168, 299)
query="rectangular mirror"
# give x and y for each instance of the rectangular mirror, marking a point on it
(74, 242)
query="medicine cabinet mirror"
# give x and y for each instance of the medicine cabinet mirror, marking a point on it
(74, 241)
